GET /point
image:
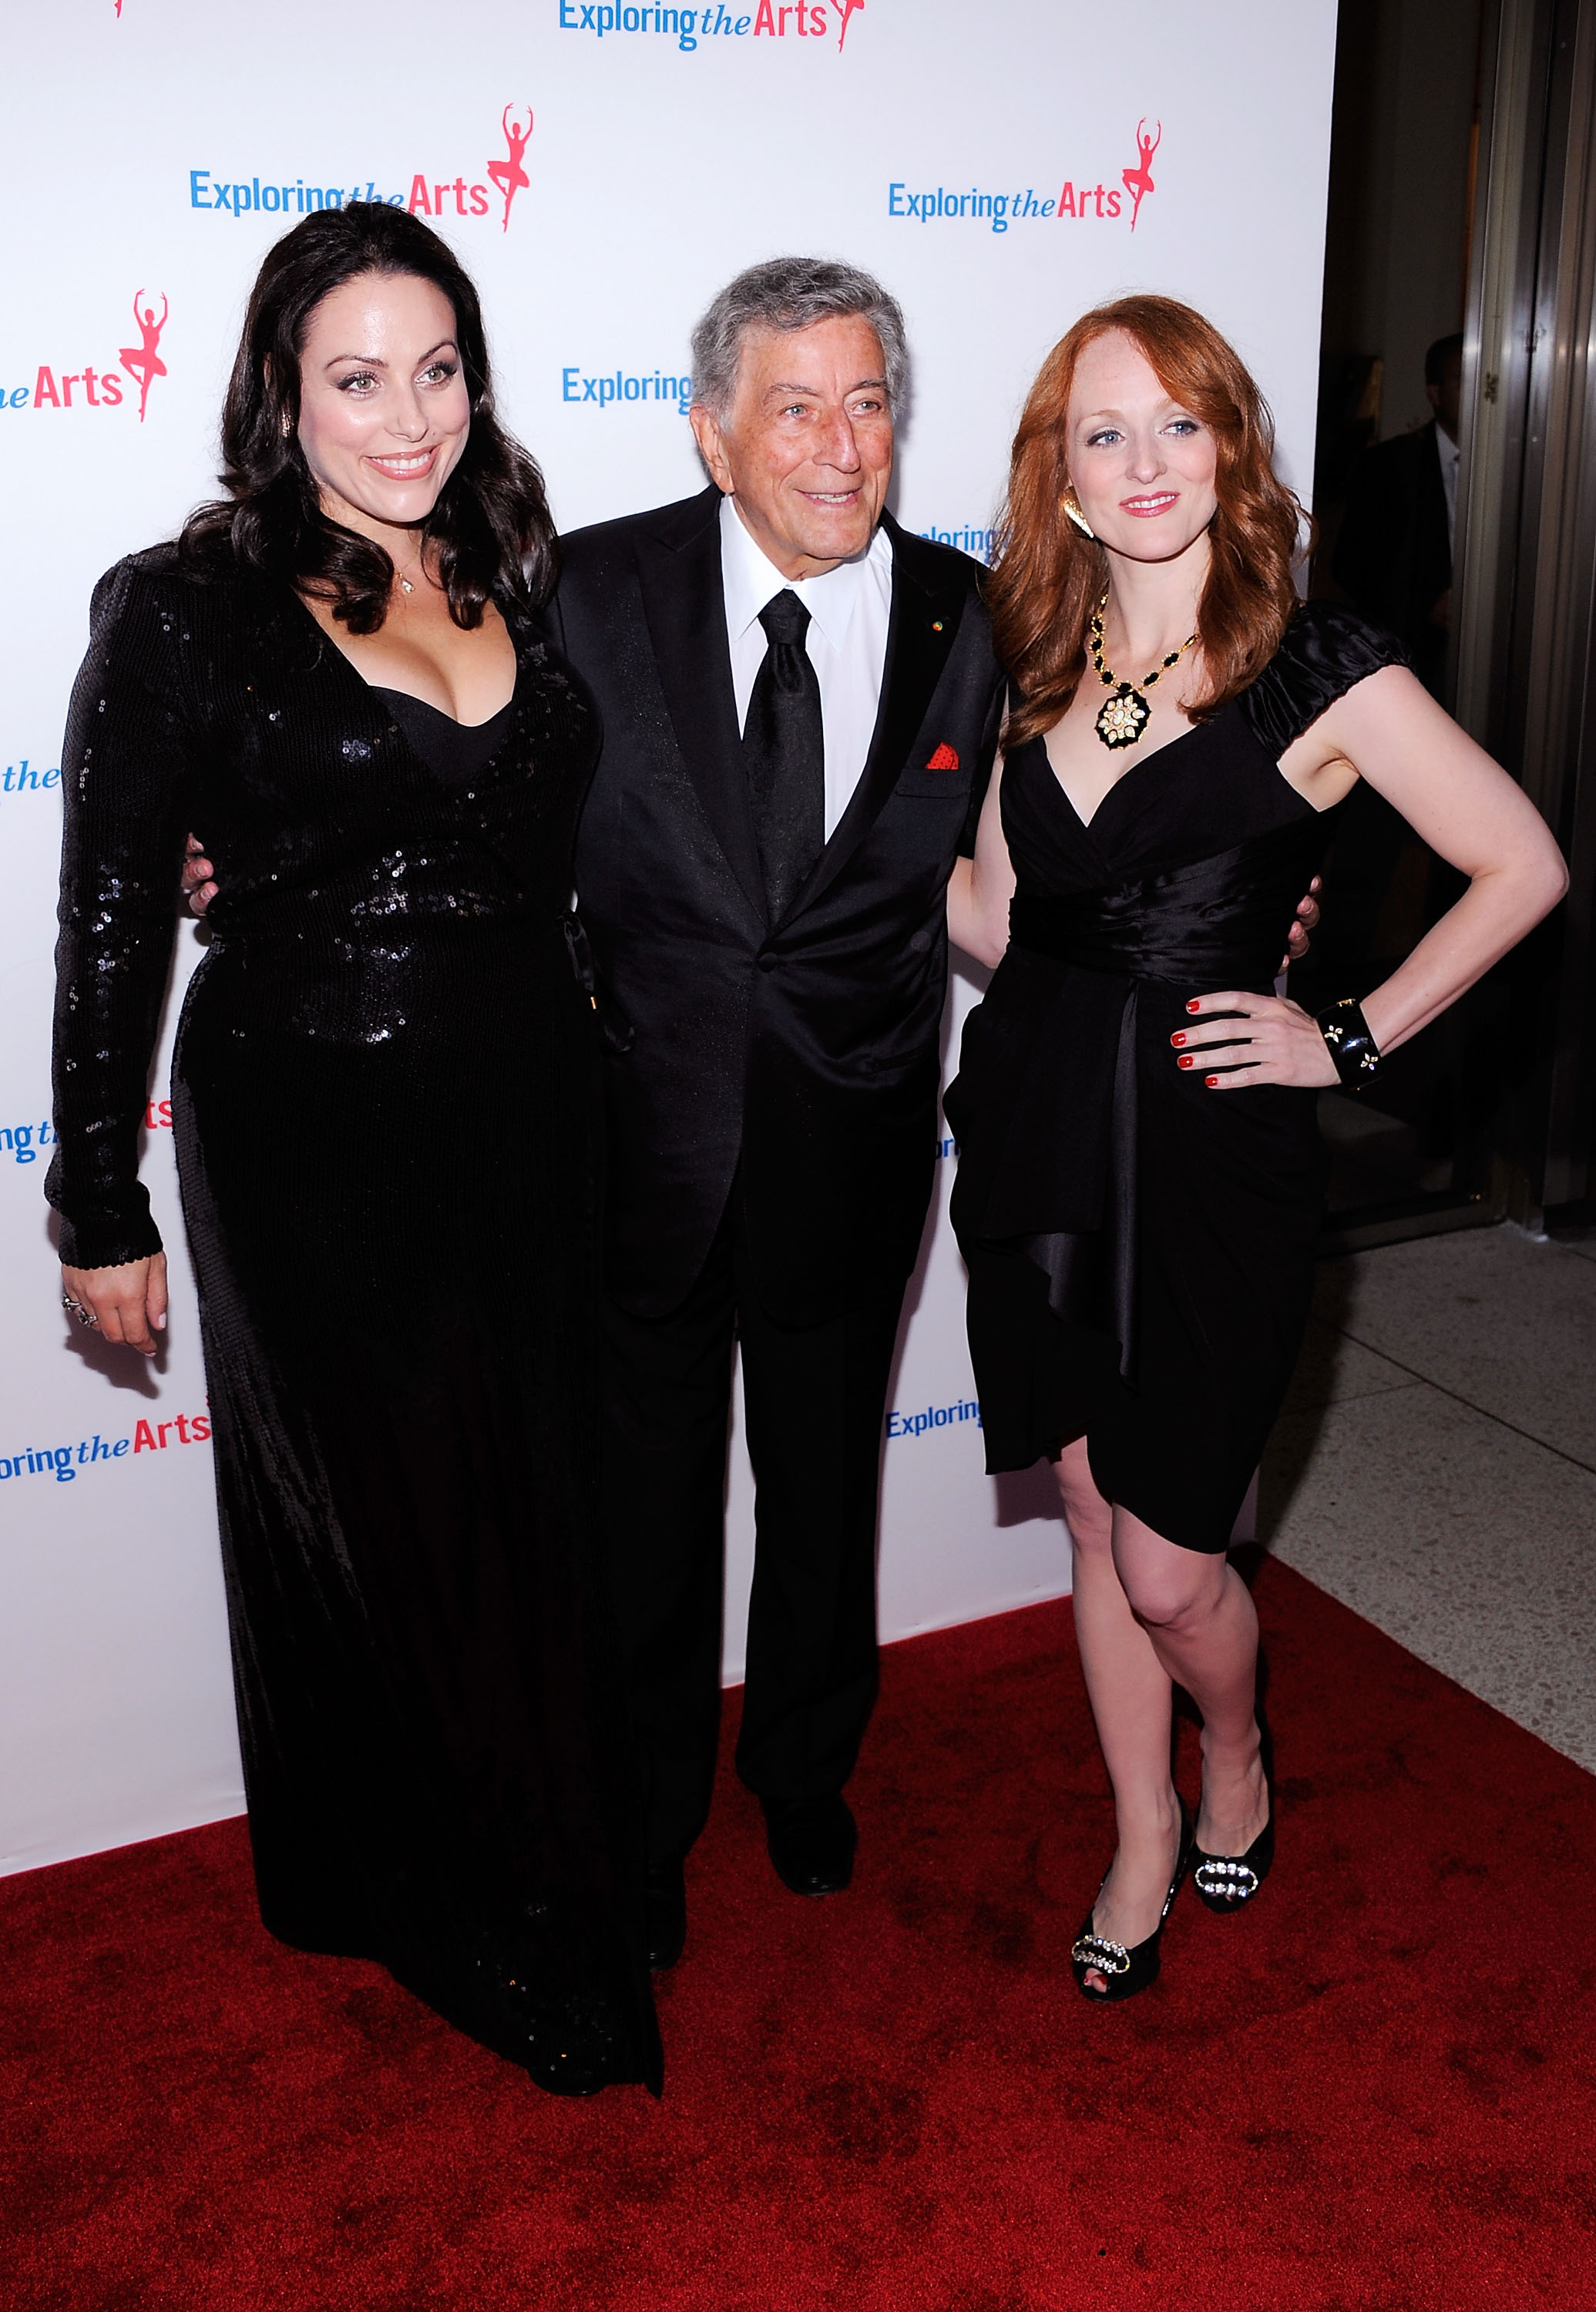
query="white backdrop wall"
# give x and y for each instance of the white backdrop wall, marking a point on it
(986, 160)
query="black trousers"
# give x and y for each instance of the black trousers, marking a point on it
(816, 1402)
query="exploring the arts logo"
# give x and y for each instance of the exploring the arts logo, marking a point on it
(293, 194)
(688, 29)
(999, 208)
(59, 385)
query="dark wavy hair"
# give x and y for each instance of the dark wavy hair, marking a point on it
(490, 529)
(1047, 579)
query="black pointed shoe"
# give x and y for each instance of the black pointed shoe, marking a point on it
(1128, 1971)
(664, 1915)
(812, 1844)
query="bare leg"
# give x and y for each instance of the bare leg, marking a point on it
(1199, 1617)
(1148, 1614)
(1130, 1693)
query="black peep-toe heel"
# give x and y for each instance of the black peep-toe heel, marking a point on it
(1226, 1882)
(1128, 1971)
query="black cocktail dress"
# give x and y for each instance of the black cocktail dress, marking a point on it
(1140, 1247)
(384, 1105)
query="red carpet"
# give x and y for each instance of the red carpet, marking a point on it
(1376, 2091)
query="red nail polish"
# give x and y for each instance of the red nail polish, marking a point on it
(1193, 1002)
(1186, 1062)
(1180, 1039)
(1210, 1081)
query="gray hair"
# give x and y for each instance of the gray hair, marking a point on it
(792, 293)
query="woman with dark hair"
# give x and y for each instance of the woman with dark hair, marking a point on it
(382, 1099)
(1141, 1175)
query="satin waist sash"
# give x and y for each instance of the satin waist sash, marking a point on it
(1217, 922)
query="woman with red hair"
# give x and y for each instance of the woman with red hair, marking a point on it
(1141, 1174)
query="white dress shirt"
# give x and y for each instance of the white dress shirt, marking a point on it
(1449, 454)
(846, 641)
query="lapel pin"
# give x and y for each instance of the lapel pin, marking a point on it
(936, 626)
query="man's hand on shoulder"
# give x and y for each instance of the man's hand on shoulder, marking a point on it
(198, 887)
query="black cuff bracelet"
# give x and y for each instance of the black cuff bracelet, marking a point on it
(1353, 1048)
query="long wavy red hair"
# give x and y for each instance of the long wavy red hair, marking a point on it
(1048, 579)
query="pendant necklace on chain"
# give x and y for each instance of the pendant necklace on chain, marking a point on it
(1123, 716)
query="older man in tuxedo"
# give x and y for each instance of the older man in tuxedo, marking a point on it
(801, 708)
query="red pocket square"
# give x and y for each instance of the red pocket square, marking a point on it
(944, 759)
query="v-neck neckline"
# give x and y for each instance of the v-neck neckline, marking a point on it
(1112, 789)
(373, 690)
(1088, 826)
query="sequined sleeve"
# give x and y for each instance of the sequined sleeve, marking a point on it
(126, 784)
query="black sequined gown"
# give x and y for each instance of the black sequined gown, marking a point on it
(383, 1101)
(1141, 1248)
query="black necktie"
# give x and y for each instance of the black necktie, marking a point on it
(784, 749)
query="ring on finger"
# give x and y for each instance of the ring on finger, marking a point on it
(76, 1309)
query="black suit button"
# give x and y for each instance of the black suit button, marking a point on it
(768, 962)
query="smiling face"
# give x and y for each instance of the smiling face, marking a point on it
(383, 407)
(1142, 466)
(806, 447)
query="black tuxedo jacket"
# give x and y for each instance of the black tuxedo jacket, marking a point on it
(1394, 553)
(805, 1049)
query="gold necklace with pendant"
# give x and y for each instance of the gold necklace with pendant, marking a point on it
(1123, 717)
(406, 588)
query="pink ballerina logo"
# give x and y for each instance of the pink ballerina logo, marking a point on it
(142, 362)
(850, 8)
(1138, 180)
(509, 175)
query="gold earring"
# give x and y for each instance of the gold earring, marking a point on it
(1075, 515)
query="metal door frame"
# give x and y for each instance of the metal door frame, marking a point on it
(1524, 623)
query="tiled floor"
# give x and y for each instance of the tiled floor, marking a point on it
(1435, 1466)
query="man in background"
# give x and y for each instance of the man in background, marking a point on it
(1394, 555)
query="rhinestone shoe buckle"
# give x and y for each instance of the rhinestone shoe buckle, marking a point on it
(1107, 1958)
(1235, 1880)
